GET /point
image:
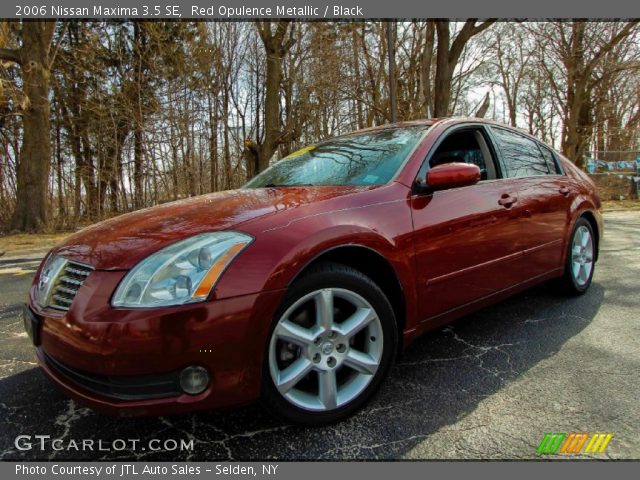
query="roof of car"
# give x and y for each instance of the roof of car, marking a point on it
(433, 121)
(428, 122)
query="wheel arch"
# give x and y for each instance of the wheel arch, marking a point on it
(372, 264)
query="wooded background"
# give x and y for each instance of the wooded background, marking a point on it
(103, 117)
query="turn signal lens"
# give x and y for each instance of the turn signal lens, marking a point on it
(214, 273)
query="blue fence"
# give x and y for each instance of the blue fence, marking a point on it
(598, 166)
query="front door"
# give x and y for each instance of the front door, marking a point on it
(466, 244)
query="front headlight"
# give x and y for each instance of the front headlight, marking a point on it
(180, 273)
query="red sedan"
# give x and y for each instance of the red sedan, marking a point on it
(301, 287)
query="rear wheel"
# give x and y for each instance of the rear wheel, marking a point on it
(331, 345)
(580, 260)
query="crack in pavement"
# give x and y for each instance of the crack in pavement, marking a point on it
(66, 421)
(481, 351)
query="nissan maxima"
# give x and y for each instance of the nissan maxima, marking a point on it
(301, 287)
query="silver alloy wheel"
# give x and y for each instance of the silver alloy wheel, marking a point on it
(343, 354)
(582, 255)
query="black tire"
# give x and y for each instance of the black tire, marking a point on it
(568, 284)
(336, 276)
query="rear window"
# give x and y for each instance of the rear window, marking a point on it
(520, 155)
(552, 162)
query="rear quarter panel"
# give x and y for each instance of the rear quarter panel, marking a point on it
(586, 198)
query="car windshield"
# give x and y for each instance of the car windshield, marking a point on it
(370, 158)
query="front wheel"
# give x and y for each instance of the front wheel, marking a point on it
(332, 343)
(580, 260)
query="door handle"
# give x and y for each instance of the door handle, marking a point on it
(564, 191)
(506, 200)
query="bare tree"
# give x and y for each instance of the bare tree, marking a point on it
(513, 53)
(148, 112)
(33, 56)
(277, 41)
(448, 53)
(577, 50)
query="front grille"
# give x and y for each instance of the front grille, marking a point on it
(67, 284)
(136, 387)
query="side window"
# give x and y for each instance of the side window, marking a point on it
(463, 146)
(521, 155)
(551, 160)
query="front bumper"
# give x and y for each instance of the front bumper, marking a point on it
(125, 362)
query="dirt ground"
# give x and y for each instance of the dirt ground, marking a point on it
(616, 205)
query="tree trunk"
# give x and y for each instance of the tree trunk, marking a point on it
(271, 105)
(62, 213)
(140, 41)
(442, 89)
(213, 143)
(88, 174)
(30, 214)
(356, 72)
(227, 147)
(425, 69)
(484, 108)
(276, 45)
(447, 57)
(393, 108)
(138, 199)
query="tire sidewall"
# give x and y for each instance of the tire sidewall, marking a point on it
(568, 265)
(332, 276)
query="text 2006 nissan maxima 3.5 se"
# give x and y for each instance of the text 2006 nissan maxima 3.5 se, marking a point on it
(301, 287)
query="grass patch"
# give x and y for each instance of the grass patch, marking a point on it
(25, 244)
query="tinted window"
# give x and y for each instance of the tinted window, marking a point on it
(521, 156)
(551, 160)
(370, 158)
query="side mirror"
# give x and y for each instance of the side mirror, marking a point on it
(449, 175)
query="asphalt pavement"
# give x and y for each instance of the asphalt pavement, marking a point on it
(488, 386)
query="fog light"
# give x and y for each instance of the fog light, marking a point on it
(194, 380)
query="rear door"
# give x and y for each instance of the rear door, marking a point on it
(544, 197)
(466, 239)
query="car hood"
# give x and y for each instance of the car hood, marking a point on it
(121, 242)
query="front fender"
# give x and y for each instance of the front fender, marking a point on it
(274, 260)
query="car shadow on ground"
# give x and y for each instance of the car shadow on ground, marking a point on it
(441, 378)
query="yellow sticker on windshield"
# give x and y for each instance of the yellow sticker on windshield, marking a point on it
(302, 151)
